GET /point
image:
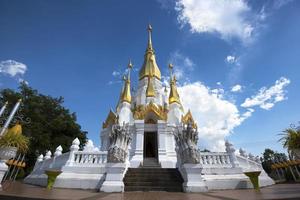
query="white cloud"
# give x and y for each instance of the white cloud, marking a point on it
(12, 68)
(116, 73)
(216, 116)
(231, 59)
(228, 18)
(236, 88)
(267, 97)
(182, 64)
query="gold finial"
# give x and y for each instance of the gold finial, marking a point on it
(171, 69)
(149, 37)
(130, 66)
(6, 103)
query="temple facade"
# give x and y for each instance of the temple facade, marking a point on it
(149, 133)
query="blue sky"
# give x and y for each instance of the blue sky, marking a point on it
(78, 49)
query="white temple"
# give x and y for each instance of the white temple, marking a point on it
(149, 132)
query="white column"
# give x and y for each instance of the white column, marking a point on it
(138, 149)
(162, 145)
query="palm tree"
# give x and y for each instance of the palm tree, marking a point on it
(291, 140)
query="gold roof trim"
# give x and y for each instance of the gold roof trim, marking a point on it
(111, 118)
(188, 118)
(141, 111)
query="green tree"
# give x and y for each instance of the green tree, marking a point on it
(269, 157)
(291, 140)
(45, 121)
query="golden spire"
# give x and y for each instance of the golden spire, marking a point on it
(174, 96)
(149, 60)
(126, 95)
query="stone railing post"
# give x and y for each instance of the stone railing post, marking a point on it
(48, 155)
(58, 151)
(38, 161)
(242, 152)
(74, 148)
(231, 151)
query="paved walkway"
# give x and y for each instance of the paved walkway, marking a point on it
(18, 191)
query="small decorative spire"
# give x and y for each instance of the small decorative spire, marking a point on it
(149, 37)
(126, 95)
(174, 96)
(171, 69)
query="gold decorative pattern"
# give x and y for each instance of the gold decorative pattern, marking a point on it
(188, 118)
(150, 92)
(141, 111)
(111, 118)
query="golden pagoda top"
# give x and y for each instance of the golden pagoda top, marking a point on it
(174, 96)
(150, 66)
(126, 95)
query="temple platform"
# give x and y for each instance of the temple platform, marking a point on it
(18, 190)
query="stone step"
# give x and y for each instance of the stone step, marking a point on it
(153, 188)
(161, 183)
(153, 179)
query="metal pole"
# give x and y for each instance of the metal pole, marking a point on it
(12, 114)
(3, 108)
(13, 170)
(18, 168)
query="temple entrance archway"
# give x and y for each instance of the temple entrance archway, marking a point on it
(150, 149)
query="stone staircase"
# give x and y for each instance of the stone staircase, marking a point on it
(153, 179)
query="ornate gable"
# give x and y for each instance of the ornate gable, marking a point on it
(111, 118)
(188, 118)
(141, 111)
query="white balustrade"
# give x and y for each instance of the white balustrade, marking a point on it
(215, 159)
(89, 158)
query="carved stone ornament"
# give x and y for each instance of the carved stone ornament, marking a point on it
(186, 139)
(119, 140)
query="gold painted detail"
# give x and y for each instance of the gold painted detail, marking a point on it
(150, 92)
(188, 118)
(111, 118)
(16, 129)
(149, 66)
(140, 112)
